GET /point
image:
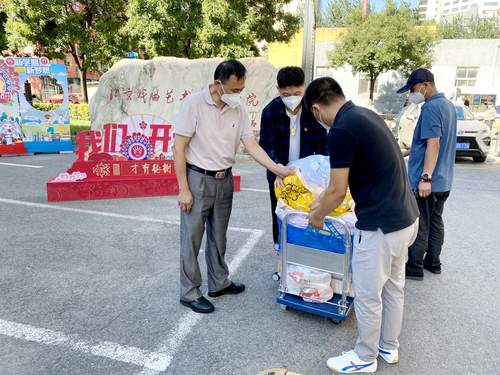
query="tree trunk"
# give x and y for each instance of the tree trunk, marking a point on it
(372, 87)
(83, 82)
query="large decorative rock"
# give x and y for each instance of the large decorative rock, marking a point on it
(157, 87)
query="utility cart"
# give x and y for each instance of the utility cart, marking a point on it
(321, 250)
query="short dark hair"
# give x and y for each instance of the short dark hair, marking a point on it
(323, 91)
(291, 76)
(227, 68)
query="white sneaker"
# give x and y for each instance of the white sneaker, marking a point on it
(350, 362)
(390, 356)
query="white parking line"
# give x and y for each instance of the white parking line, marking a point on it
(22, 165)
(109, 214)
(188, 321)
(257, 190)
(152, 362)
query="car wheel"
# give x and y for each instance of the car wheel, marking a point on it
(479, 159)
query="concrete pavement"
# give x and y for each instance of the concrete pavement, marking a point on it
(92, 287)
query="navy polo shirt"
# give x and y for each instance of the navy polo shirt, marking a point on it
(360, 140)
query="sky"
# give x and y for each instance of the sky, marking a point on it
(378, 4)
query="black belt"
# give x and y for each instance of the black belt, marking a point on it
(217, 174)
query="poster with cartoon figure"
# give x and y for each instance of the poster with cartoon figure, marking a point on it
(10, 126)
(44, 131)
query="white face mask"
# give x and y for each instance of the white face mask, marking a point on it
(232, 100)
(327, 128)
(417, 97)
(292, 102)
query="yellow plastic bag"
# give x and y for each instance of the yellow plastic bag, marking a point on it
(298, 197)
(295, 194)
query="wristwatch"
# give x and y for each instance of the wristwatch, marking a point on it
(425, 177)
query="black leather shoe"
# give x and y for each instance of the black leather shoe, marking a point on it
(414, 275)
(435, 270)
(234, 288)
(200, 305)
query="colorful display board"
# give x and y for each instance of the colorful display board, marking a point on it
(41, 131)
(130, 158)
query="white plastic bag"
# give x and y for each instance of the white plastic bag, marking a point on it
(309, 283)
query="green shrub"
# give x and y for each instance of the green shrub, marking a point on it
(79, 111)
(76, 111)
(46, 107)
(74, 129)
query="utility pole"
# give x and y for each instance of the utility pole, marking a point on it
(309, 39)
(365, 8)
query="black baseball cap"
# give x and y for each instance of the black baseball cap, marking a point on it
(418, 76)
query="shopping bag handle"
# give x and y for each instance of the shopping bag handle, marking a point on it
(332, 232)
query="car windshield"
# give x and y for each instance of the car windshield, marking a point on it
(463, 113)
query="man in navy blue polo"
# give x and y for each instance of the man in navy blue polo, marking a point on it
(430, 169)
(365, 156)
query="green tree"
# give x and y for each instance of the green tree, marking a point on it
(88, 30)
(386, 40)
(342, 13)
(3, 39)
(475, 28)
(208, 28)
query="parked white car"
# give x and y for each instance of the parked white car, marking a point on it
(473, 138)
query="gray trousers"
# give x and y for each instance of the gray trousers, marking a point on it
(213, 201)
(378, 276)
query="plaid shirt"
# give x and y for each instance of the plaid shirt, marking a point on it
(275, 134)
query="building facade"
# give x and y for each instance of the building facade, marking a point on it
(463, 68)
(446, 10)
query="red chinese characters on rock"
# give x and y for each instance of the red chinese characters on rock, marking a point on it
(252, 100)
(128, 93)
(186, 93)
(155, 97)
(142, 95)
(113, 94)
(169, 97)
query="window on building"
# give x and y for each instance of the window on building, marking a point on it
(364, 84)
(454, 9)
(422, 9)
(466, 76)
(446, 4)
(422, 3)
(446, 11)
(491, 4)
(456, 2)
(464, 7)
(473, 5)
(323, 71)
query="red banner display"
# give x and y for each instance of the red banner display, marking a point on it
(120, 164)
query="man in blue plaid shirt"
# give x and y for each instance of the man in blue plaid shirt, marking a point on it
(289, 131)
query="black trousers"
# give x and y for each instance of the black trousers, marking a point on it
(274, 202)
(427, 247)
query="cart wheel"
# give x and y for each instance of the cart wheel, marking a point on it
(284, 307)
(335, 321)
(276, 276)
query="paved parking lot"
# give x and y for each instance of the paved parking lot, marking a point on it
(91, 287)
